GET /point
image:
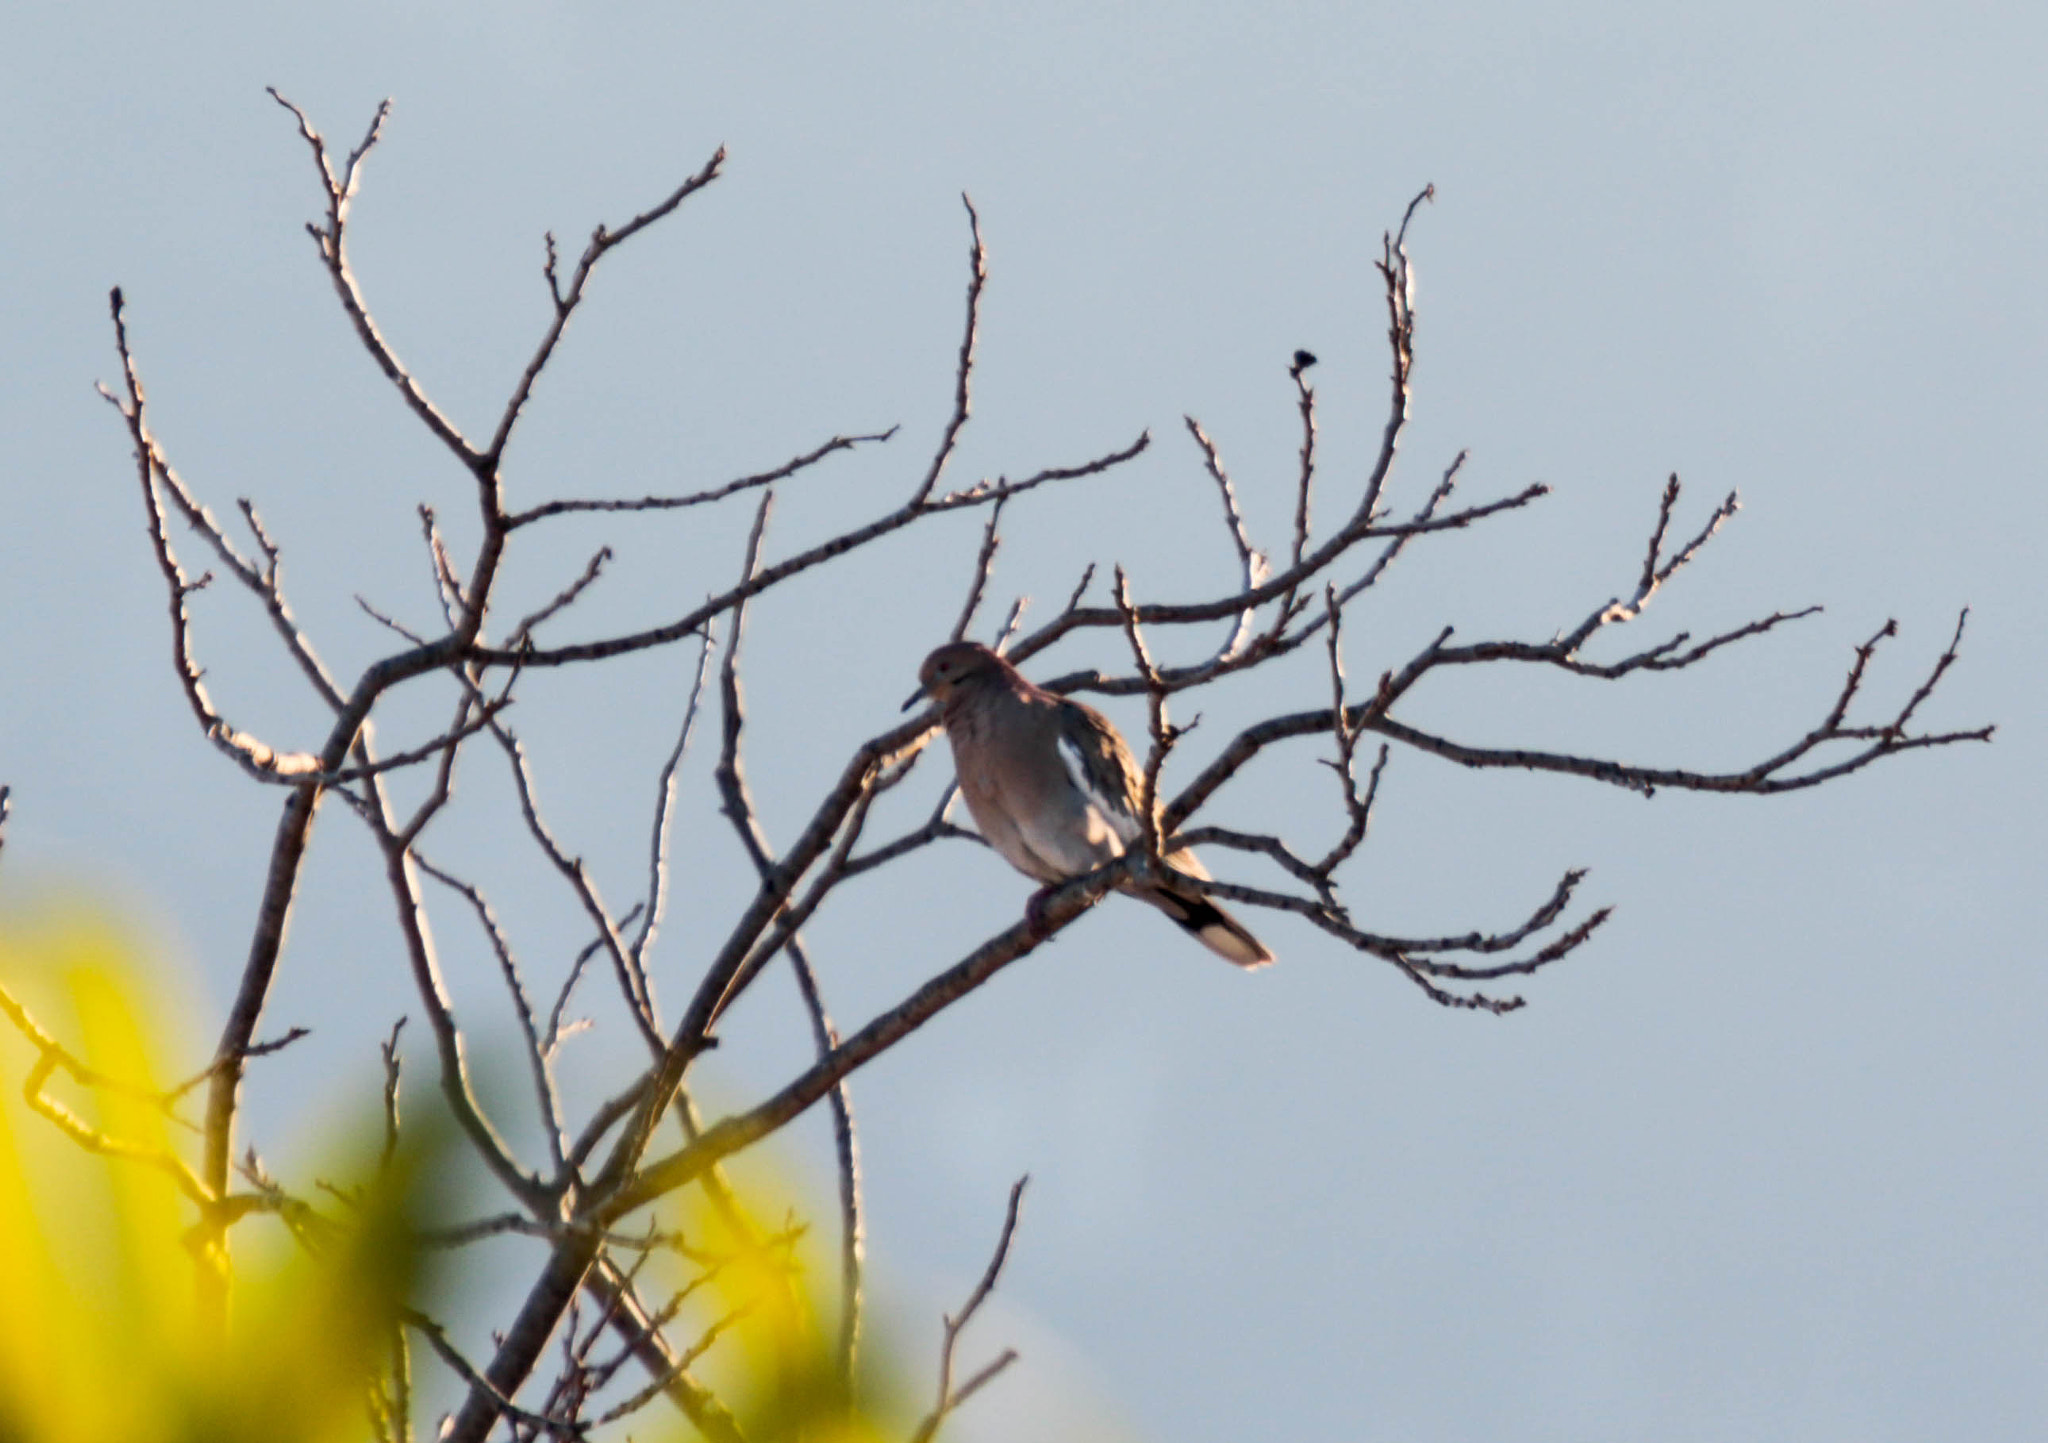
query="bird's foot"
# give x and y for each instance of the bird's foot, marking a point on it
(1034, 914)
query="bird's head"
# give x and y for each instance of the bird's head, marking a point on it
(952, 666)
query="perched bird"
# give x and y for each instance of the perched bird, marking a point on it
(1055, 790)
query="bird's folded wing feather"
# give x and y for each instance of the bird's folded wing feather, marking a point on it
(1101, 767)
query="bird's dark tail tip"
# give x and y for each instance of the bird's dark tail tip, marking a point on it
(1220, 932)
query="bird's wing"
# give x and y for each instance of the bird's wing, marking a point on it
(1101, 767)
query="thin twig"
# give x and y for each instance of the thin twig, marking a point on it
(963, 374)
(556, 1031)
(253, 1050)
(545, 1092)
(949, 1397)
(1305, 482)
(656, 905)
(1163, 733)
(632, 976)
(991, 539)
(563, 599)
(331, 240)
(700, 498)
(1252, 568)
(602, 239)
(443, 1346)
(846, 1154)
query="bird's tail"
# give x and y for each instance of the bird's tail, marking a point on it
(1213, 927)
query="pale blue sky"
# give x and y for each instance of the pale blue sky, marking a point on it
(1767, 1159)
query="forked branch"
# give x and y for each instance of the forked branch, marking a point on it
(950, 1397)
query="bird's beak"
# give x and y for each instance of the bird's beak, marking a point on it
(915, 697)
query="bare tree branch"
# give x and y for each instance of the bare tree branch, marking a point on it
(1252, 564)
(53, 1057)
(665, 794)
(556, 1031)
(964, 373)
(700, 498)
(564, 598)
(1163, 733)
(631, 975)
(447, 585)
(666, 1379)
(990, 540)
(602, 239)
(692, 623)
(254, 1050)
(846, 1154)
(330, 239)
(951, 1398)
(393, 1068)
(631, 1320)
(1184, 613)
(401, 869)
(50, 1058)
(1762, 779)
(936, 827)
(1062, 905)
(256, 757)
(545, 1093)
(444, 1347)
(1305, 483)
(739, 810)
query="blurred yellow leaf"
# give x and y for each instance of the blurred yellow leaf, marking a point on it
(100, 1337)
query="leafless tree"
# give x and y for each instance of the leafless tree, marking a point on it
(588, 1197)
